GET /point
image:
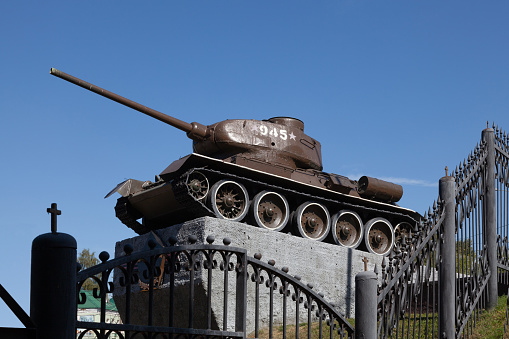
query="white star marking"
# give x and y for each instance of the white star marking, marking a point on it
(254, 128)
(292, 136)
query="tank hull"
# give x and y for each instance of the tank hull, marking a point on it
(171, 200)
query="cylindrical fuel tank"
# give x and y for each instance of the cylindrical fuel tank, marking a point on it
(376, 189)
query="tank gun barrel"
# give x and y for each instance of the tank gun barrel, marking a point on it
(194, 130)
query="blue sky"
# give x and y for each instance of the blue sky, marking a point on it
(391, 89)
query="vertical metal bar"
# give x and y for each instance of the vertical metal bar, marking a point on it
(271, 304)
(172, 263)
(446, 312)
(257, 301)
(285, 287)
(129, 278)
(225, 292)
(297, 316)
(191, 289)
(436, 280)
(320, 323)
(151, 290)
(241, 295)
(488, 135)
(310, 303)
(209, 291)
(331, 327)
(103, 295)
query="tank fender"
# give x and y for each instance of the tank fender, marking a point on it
(127, 187)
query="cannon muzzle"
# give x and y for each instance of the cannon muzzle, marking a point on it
(194, 130)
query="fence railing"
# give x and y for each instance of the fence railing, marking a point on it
(460, 256)
(166, 307)
(407, 298)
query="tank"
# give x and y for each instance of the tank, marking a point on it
(267, 173)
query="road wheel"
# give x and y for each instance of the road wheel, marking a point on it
(229, 200)
(270, 210)
(312, 220)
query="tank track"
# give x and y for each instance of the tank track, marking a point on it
(188, 201)
(192, 208)
(307, 195)
(129, 216)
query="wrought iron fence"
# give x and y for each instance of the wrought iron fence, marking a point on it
(472, 271)
(454, 247)
(502, 188)
(167, 308)
(407, 297)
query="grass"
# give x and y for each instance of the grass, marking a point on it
(488, 325)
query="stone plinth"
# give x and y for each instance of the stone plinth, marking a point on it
(330, 268)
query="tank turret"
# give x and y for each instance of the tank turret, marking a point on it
(267, 173)
(279, 140)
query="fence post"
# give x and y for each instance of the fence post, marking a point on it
(365, 305)
(490, 210)
(447, 268)
(53, 285)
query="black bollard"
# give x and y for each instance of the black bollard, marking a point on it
(53, 285)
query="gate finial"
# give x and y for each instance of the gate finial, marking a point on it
(446, 169)
(54, 212)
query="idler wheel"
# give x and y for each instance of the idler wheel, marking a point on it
(379, 236)
(403, 229)
(229, 200)
(198, 185)
(270, 210)
(312, 220)
(347, 229)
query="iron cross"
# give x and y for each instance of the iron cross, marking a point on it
(365, 261)
(54, 212)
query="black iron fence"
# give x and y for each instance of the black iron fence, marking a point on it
(166, 308)
(456, 262)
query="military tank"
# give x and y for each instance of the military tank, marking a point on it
(267, 173)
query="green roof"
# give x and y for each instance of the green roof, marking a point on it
(92, 302)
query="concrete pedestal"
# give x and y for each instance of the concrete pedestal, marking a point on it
(330, 268)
